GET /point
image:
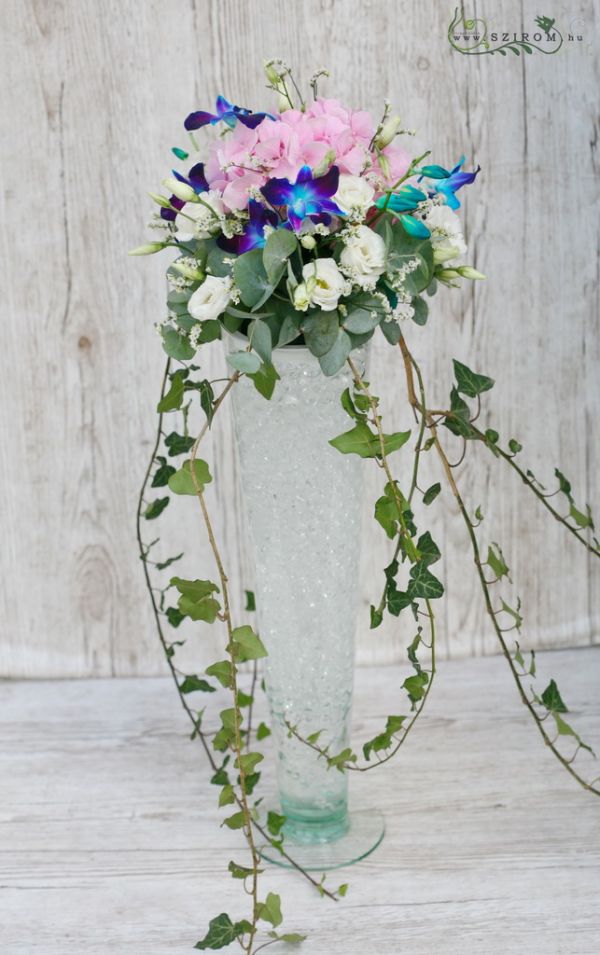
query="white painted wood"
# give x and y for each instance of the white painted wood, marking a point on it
(92, 98)
(109, 836)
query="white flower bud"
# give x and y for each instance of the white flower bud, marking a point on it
(388, 132)
(308, 241)
(301, 297)
(468, 272)
(327, 161)
(148, 249)
(180, 189)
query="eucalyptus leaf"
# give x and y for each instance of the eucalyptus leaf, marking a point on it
(251, 279)
(277, 250)
(176, 344)
(320, 330)
(244, 361)
(335, 359)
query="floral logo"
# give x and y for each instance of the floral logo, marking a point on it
(473, 37)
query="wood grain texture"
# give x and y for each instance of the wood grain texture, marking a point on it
(92, 98)
(109, 835)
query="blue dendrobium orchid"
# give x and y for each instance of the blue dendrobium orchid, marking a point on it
(452, 182)
(253, 236)
(307, 197)
(196, 179)
(405, 200)
(227, 113)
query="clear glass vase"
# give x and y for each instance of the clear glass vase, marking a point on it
(303, 504)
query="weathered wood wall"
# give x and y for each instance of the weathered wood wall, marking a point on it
(92, 97)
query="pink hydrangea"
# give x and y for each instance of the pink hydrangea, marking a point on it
(325, 134)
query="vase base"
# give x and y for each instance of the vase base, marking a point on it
(364, 833)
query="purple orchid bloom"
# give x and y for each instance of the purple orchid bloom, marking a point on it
(196, 179)
(452, 182)
(307, 197)
(226, 113)
(253, 236)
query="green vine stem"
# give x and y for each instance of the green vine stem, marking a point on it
(251, 822)
(420, 404)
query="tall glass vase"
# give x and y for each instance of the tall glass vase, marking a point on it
(302, 500)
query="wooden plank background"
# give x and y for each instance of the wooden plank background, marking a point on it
(93, 95)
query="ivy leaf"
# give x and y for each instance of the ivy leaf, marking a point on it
(250, 601)
(174, 616)
(236, 821)
(376, 617)
(361, 440)
(583, 520)
(340, 759)
(468, 382)
(193, 683)
(155, 508)
(262, 731)
(220, 778)
(248, 762)
(428, 549)
(196, 601)
(240, 871)
(387, 512)
(178, 443)
(565, 729)
(226, 796)
(265, 379)
(162, 565)
(222, 671)
(459, 423)
(275, 822)
(513, 613)
(270, 910)
(495, 560)
(514, 446)
(182, 482)
(162, 473)
(176, 344)
(247, 645)
(221, 932)
(383, 740)
(423, 583)
(563, 484)
(431, 493)
(171, 401)
(552, 699)
(415, 686)
(245, 361)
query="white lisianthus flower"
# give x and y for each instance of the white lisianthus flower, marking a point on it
(324, 283)
(354, 194)
(197, 220)
(364, 256)
(211, 299)
(446, 233)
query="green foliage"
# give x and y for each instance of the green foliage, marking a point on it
(552, 699)
(162, 473)
(262, 732)
(245, 361)
(223, 672)
(174, 616)
(387, 511)
(178, 443)
(193, 683)
(173, 398)
(341, 759)
(247, 645)
(362, 441)
(416, 685)
(182, 481)
(384, 740)
(364, 313)
(221, 933)
(250, 601)
(290, 938)
(155, 508)
(176, 344)
(320, 330)
(196, 600)
(518, 619)
(334, 359)
(431, 493)
(265, 379)
(251, 279)
(275, 822)
(163, 564)
(459, 423)
(495, 560)
(423, 583)
(468, 382)
(421, 310)
(270, 910)
(277, 250)
(248, 762)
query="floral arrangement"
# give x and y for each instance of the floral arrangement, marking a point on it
(312, 225)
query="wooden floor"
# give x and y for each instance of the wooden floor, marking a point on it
(110, 842)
